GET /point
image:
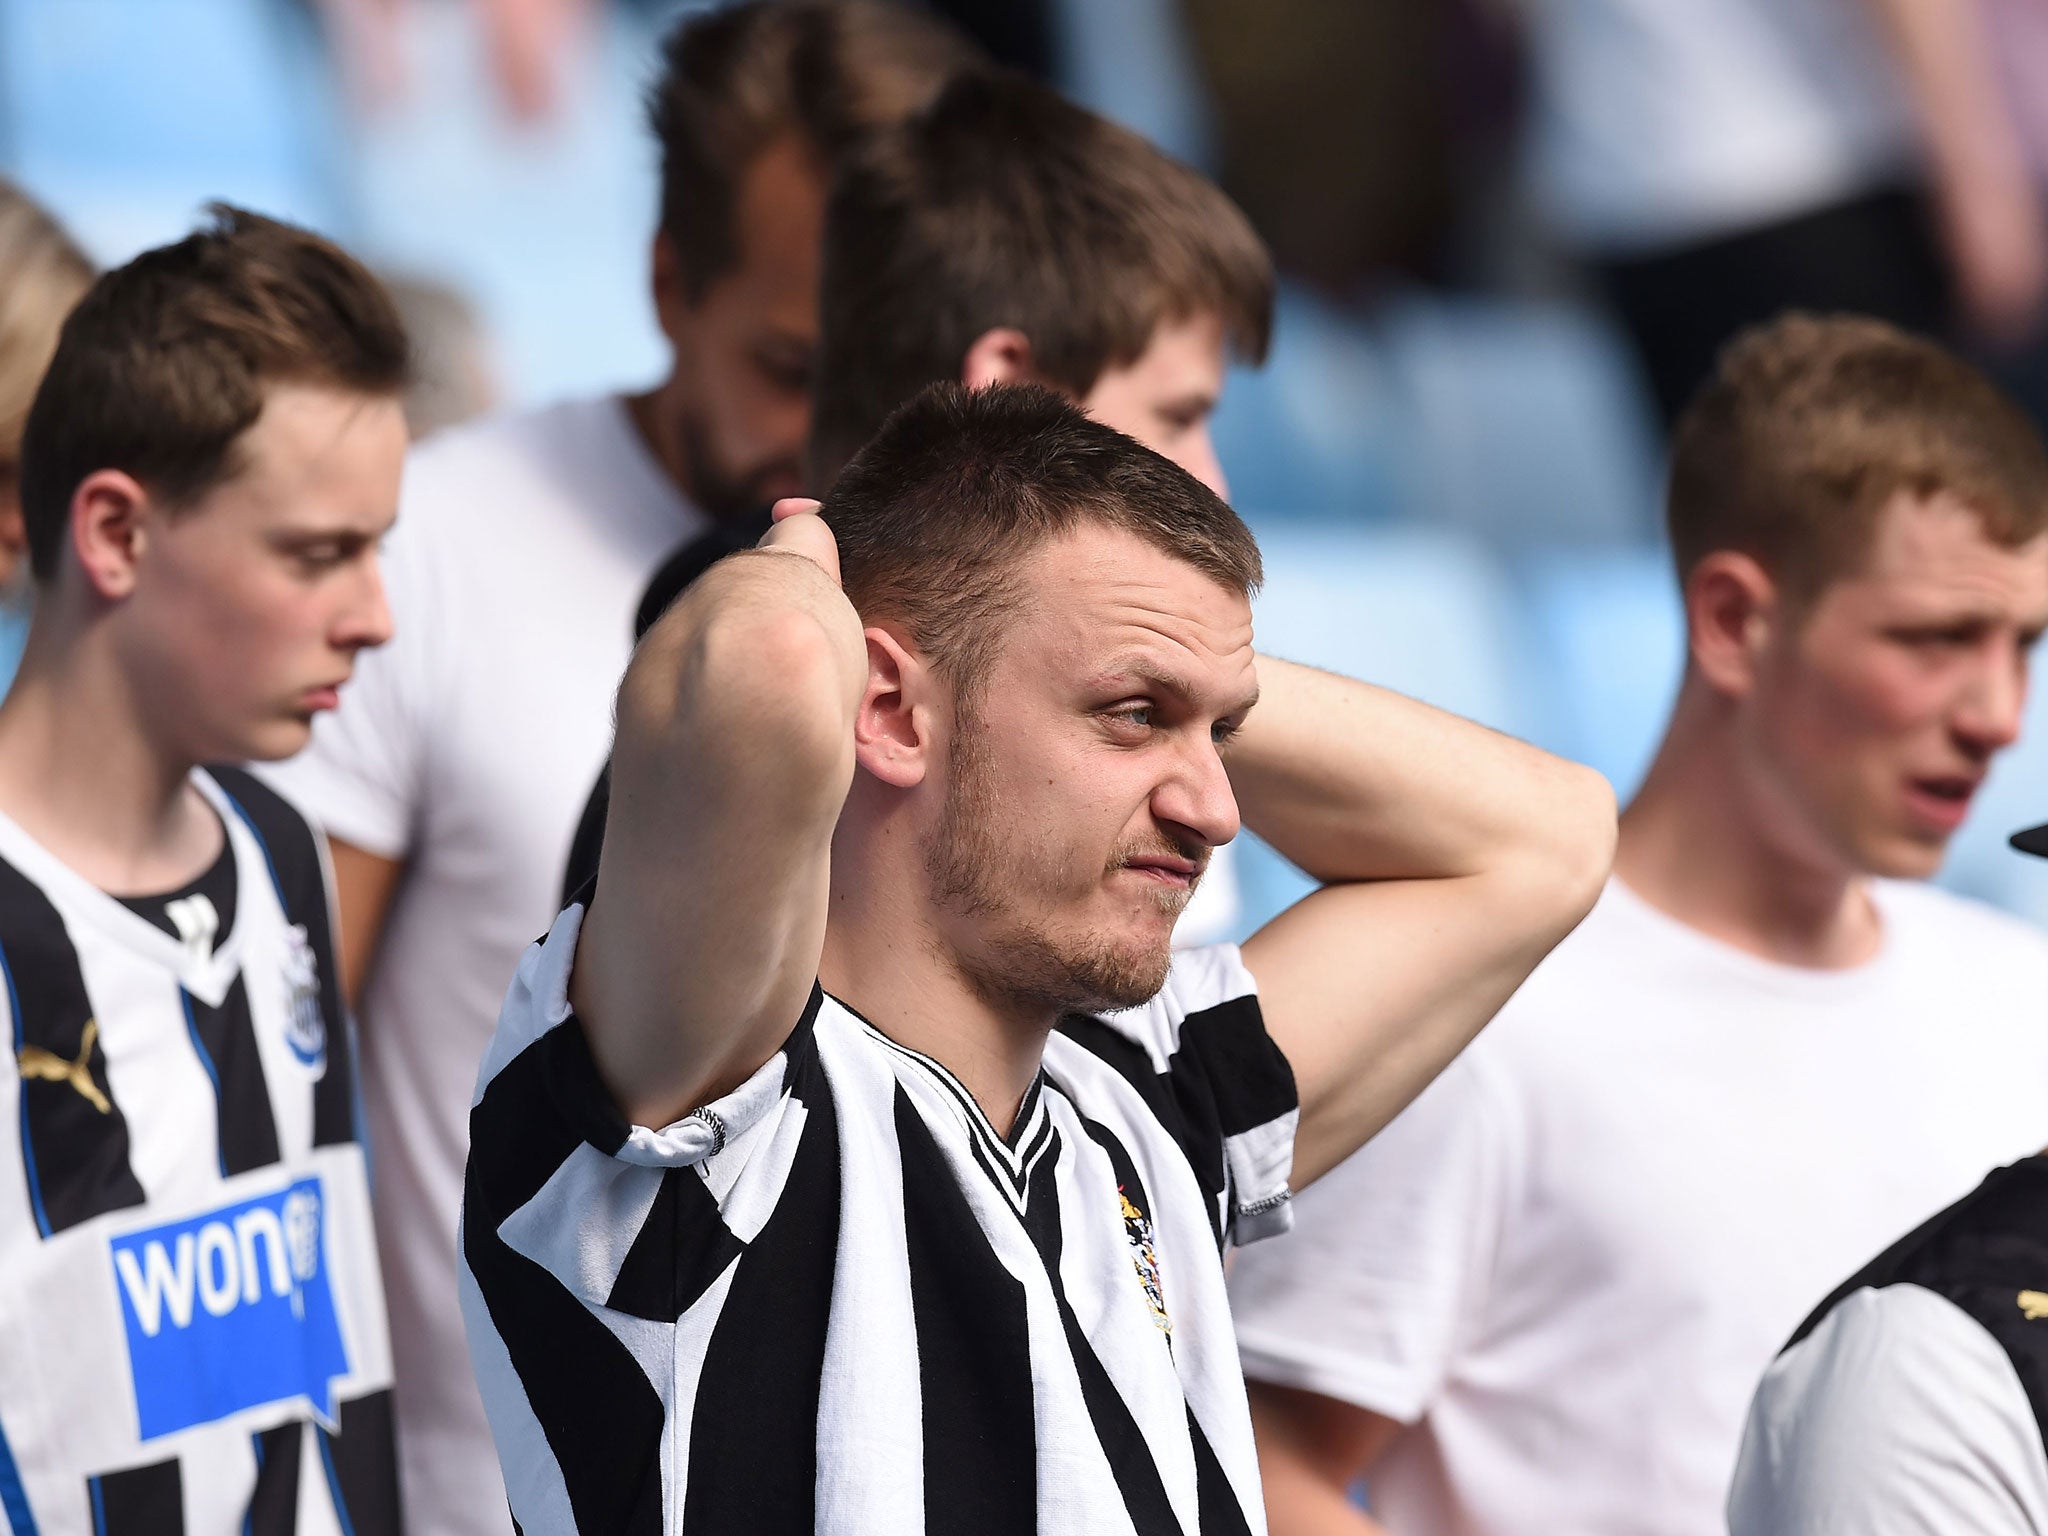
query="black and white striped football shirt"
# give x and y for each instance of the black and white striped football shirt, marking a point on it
(837, 1301)
(192, 1332)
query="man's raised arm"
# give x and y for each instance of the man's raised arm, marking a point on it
(1453, 858)
(733, 757)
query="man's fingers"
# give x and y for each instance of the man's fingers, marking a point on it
(792, 506)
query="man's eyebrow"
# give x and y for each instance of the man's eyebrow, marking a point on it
(1150, 675)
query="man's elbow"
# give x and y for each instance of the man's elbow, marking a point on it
(762, 690)
(1572, 842)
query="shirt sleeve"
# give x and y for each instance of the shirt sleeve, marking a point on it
(360, 778)
(1200, 1056)
(558, 1175)
(1898, 1416)
(1383, 1279)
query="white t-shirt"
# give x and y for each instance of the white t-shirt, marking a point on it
(1900, 1415)
(466, 748)
(1569, 1261)
(1661, 122)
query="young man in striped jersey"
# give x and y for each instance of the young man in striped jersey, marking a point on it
(193, 1338)
(862, 1158)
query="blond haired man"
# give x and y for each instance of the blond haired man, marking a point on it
(1541, 1299)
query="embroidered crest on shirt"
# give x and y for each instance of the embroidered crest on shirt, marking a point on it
(305, 1028)
(2034, 1305)
(1138, 1229)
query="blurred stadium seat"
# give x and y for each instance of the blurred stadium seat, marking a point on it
(125, 118)
(1528, 421)
(1607, 647)
(1428, 614)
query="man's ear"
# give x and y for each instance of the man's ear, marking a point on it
(1733, 611)
(999, 356)
(892, 729)
(110, 516)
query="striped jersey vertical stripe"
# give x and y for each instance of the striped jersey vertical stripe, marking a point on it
(836, 1300)
(193, 1337)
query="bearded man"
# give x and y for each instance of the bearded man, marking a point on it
(861, 1157)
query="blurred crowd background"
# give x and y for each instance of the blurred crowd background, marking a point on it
(1510, 232)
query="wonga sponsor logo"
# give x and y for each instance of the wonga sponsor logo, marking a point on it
(231, 1309)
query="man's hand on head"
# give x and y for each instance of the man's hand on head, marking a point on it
(799, 530)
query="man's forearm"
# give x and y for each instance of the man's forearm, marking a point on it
(1353, 782)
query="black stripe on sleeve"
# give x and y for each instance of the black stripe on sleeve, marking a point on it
(684, 1245)
(74, 1138)
(361, 1463)
(292, 854)
(1232, 1064)
(973, 1354)
(225, 1038)
(601, 1416)
(754, 1429)
(139, 1501)
(274, 1506)
(1226, 1077)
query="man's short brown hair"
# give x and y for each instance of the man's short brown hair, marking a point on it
(1005, 205)
(163, 365)
(1812, 423)
(935, 516)
(42, 274)
(737, 79)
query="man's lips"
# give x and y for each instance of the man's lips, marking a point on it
(1942, 800)
(1166, 869)
(326, 696)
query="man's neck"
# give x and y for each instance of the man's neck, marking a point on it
(80, 773)
(895, 974)
(652, 414)
(1696, 845)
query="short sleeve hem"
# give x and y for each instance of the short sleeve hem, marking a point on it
(1279, 1362)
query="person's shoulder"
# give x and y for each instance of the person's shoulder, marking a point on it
(1970, 931)
(289, 839)
(517, 457)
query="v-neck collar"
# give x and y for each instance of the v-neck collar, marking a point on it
(207, 980)
(1007, 1160)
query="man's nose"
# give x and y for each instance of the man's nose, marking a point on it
(1991, 711)
(1198, 796)
(367, 621)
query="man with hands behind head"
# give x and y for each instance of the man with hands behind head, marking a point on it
(862, 1157)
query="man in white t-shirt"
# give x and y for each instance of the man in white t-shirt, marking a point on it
(1540, 1300)
(449, 780)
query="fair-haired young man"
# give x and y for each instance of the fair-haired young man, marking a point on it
(194, 1333)
(451, 777)
(861, 1159)
(1541, 1299)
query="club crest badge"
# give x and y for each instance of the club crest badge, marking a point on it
(1145, 1259)
(305, 1028)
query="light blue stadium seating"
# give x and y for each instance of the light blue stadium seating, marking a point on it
(1607, 644)
(125, 116)
(1429, 614)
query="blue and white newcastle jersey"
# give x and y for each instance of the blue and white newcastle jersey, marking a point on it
(837, 1301)
(192, 1337)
